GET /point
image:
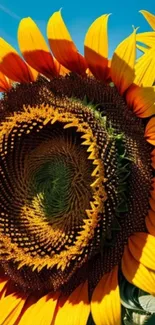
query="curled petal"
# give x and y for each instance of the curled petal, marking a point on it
(96, 47)
(137, 274)
(145, 69)
(106, 298)
(34, 48)
(142, 48)
(142, 100)
(149, 17)
(62, 45)
(123, 61)
(76, 309)
(13, 66)
(150, 131)
(141, 246)
(148, 38)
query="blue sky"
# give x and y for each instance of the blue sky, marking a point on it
(78, 15)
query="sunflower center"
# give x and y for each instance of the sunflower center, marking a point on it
(51, 186)
(70, 178)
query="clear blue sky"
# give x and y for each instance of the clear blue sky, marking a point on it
(78, 15)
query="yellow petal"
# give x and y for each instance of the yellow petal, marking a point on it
(96, 47)
(12, 65)
(76, 309)
(123, 61)
(137, 274)
(145, 69)
(62, 45)
(141, 100)
(41, 312)
(142, 48)
(34, 48)
(5, 83)
(148, 38)
(3, 284)
(150, 131)
(10, 308)
(141, 246)
(149, 17)
(105, 303)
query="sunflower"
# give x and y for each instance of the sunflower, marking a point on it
(77, 186)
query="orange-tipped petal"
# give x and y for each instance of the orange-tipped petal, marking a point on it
(5, 83)
(62, 45)
(96, 47)
(105, 303)
(145, 69)
(10, 309)
(137, 274)
(123, 61)
(142, 100)
(141, 246)
(76, 309)
(149, 17)
(150, 131)
(12, 65)
(34, 48)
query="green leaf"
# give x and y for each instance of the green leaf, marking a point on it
(147, 302)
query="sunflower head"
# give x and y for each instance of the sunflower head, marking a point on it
(76, 167)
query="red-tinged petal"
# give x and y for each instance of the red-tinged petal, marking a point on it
(62, 71)
(141, 100)
(10, 308)
(96, 47)
(141, 246)
(152, 204)
(149, 17)
(150, 131)
(12, 65)
(34, 48)
(150, 219)
(76, 309)
(137, 274)
(105, 302)
(145, 69)
(5, 83)
(62, 45)
(122, 64)
(148, 38)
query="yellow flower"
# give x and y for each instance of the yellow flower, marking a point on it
(77, 193)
